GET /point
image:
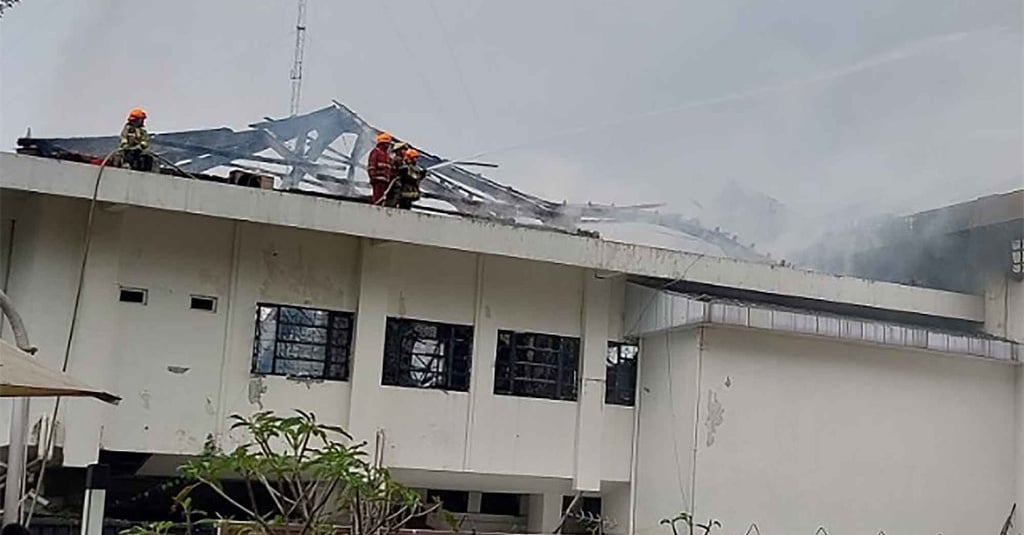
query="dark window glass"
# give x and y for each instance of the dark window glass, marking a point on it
(454, 501)
(499, 503)
(620, 374)
(302, 342)
(202, 302)
(537, 365)
(133, 295)
(426, 354)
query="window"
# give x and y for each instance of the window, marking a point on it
(202, 302)
(500, 503)
(453, 501)
(620, 374)
(133, 295)
(425, 354)
(302, 342)
(537, 365)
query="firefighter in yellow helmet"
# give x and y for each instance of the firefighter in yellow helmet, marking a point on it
(408, 176)
(134, 148)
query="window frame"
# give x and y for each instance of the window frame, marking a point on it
(399, 364)
(510, 357)
(616, 393)
(340, 361)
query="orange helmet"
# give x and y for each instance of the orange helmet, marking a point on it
(137, 113)
(412, 154)
(383, 137)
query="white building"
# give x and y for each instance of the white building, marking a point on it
(764, 394)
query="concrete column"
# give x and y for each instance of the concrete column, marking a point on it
(368, 342)
(1019, 521)
(94, 505)
(92, 349)
(594, 351)
(544, 512)
(474, 502)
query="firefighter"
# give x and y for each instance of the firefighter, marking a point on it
(380, 167)
(134, 146)
(408, 176)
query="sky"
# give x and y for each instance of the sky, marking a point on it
(829, 107)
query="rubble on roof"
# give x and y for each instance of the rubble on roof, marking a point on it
(322, 151)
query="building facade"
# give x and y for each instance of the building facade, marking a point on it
(506, 369)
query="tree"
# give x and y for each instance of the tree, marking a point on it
(688, 520)
(310, 475)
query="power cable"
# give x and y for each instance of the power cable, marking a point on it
(458, 68)
(89, 222)
(400, 37)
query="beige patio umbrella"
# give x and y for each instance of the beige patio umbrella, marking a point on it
(22, 375)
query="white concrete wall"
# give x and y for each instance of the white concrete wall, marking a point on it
(1004, 306)
(813, 432)
(27, 173)
(183, 372)
(665, 444)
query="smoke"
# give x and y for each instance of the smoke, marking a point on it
(900, 53)
(939, 249)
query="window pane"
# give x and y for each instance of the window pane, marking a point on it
(303, 316)
(300, 368)
(337, 370)
(620, 376)
(337, 355)
(421, 354)
(340, 321)
(537, 365)
(301, 351)
(297, 341)
(266, 318)
(309, 335)
(264, 356)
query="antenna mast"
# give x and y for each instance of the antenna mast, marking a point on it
(300, 46)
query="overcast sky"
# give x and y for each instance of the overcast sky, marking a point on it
(896, 106)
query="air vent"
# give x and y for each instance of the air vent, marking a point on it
(133, 295)
(203, 302)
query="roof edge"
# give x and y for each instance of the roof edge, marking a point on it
(122, 186)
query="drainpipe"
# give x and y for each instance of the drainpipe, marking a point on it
(19, 424)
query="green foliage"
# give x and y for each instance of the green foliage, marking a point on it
(313, 474)
(153, 528)
(686, 519)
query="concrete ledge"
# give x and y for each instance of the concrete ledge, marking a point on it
(40, 175)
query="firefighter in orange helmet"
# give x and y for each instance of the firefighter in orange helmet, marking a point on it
(134, 147)
(408, 176)
(380, 167)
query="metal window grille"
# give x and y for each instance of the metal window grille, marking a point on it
(537, 365)
(1017, 258)
(302, 342)
(425, 354)
(620, 374)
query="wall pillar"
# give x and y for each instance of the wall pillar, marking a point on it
(94, 505)
(1019, 500)
(368, 340)
(590, 408)
(92, 349)
(544, 512)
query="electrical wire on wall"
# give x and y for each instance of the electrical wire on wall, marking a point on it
(51, 432)
(670, 313)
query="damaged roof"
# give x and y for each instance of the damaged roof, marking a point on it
(323, 151)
